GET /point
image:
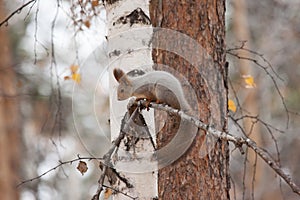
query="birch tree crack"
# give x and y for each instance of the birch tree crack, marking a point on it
(137, 16)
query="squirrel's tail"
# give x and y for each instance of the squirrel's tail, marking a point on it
(179, 144)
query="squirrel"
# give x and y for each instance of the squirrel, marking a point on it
(160, 87)
(154, 86)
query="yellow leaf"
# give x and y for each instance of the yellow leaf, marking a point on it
(76, 77)
(231, 105)
(74, 68)
(249, 80)
(82, 167)
(108, 193)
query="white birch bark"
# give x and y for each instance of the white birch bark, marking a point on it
(128, 49)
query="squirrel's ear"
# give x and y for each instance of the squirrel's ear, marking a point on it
(118, 74)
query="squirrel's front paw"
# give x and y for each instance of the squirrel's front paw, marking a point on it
(147, 104)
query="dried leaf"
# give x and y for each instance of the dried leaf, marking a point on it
(231, 105)
(82, 167)
(95, 3)
(108, 193)
(249, 80)
(67, 78)
(87, 24)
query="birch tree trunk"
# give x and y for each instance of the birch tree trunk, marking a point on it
(128, 49)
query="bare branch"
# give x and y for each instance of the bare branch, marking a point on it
(253, 177)
(17, 11)
(244, 173)
(57, 91)
(35, 32)
(61, 163)
(233, 52)
(268, 128)
(238, 141)
(105, 162)
(261, 56)
(256, 118)
(107, 157)
(119, 192)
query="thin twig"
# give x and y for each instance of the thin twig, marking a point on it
(100, 184)
(57, 93)
(107, 157)
(61, 163)
(244, 174)
(116, 190)
(242, 47)
(256, 62)
(35, 31)
(253, 177)
(17, 11)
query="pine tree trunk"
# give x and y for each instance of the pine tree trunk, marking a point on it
(194, 176)
(9, 119)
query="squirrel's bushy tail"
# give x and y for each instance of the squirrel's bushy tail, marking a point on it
(180, 143)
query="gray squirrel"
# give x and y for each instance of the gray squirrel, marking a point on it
(160, 87)
(154, 86)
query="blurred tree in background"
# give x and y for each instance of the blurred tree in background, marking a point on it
(271, 28)
(10, 120)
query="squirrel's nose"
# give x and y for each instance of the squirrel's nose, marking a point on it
(120, 98)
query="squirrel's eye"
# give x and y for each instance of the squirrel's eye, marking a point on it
(122, 90)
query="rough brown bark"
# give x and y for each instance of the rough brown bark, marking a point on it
(9, 119)
(192, 177)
